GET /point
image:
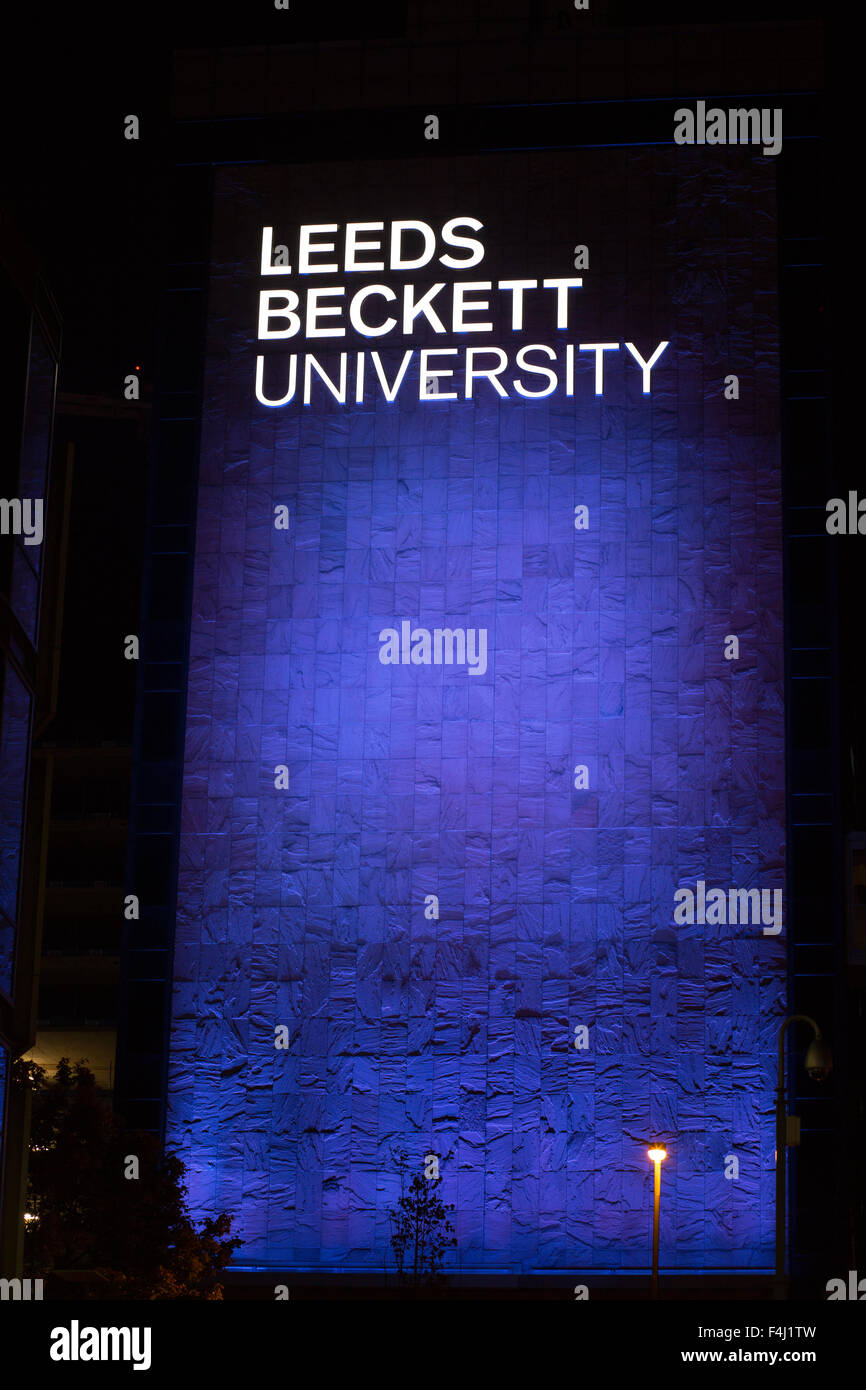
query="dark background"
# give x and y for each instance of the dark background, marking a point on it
(102, 215)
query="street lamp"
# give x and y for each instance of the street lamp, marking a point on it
(818, 1063)
(657, 1155)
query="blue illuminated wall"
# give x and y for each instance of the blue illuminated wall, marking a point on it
(305, 906)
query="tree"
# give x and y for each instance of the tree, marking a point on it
(420, 1229)
(90, 1213)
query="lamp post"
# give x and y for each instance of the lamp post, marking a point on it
(657, 1154)
(818, 1063)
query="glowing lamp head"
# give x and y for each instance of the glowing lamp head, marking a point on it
(657, 1153)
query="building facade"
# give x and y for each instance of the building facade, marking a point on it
(491, 909)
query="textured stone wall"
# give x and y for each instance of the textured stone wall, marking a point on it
(306, 906)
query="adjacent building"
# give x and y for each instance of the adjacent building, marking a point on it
(32, 522)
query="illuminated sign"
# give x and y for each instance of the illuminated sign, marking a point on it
(332, 311)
